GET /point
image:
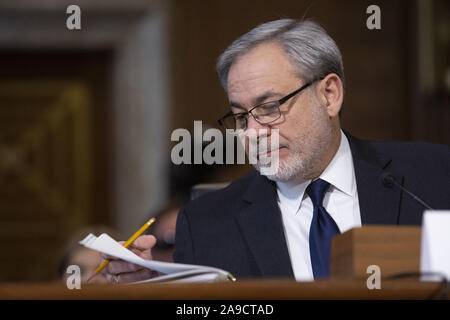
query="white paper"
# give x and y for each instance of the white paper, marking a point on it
(435, 246)
(173, 271)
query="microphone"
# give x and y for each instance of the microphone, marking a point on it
(388, 181)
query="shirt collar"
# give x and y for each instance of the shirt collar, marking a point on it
(339, 172)
(291, 193)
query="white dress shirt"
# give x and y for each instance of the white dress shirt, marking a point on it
(340, 201)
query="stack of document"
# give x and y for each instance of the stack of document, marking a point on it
(172, 272)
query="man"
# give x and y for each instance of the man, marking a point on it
(288, 75)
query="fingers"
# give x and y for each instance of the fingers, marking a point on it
(142, 246)
(144, 242)
(111, 258)
(119, 266)
(119, 271)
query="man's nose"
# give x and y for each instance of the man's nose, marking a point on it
(257, 133)
(252, 124)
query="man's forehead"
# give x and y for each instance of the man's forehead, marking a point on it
(251, 83)
(253, 99)
(253, 90)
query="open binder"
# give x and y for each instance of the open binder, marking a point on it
(172, 272)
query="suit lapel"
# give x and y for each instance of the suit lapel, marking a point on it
(261, 225)
(378, 204)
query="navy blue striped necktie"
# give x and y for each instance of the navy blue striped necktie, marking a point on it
(322, 230)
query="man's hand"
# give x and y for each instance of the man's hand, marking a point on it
(119, 271)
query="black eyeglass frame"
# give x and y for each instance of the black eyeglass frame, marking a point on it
(279, 103)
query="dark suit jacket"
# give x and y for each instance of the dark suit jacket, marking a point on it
(239, 228)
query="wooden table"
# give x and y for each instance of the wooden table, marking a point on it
(249, 289)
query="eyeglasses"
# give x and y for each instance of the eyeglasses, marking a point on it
(264, 113)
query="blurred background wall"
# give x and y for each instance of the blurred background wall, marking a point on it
(86, 115)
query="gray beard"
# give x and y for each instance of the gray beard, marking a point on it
(291, 169)
(300, 165)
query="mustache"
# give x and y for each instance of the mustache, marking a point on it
(267, 143)
(262, 142)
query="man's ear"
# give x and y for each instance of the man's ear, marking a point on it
(331, 93)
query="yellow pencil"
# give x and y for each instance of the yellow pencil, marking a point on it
(126, 244)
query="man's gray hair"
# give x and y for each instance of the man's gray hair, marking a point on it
(312, 50)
